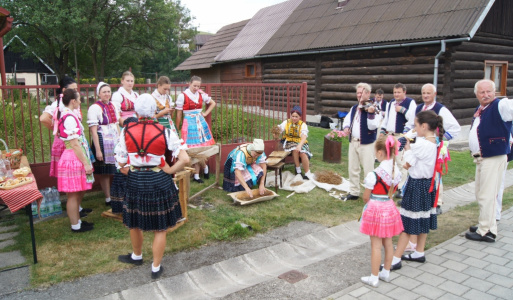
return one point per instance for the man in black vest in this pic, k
(489, 145)
(399, 118)
(361, 126)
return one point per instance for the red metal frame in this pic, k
(254, 106)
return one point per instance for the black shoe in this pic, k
(87, 210)
(107, 203)
(474, 236)
(156, 275)
(350, 197)
(438, 210)
(87, 224)
(472, 228)
(305, 177)
(127, 259)
(398, 195)
(408, 257)
(198, 180)
(82, 214)
(397, 266)
(206, 176)
(82, 229)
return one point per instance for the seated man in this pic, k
(244, 167)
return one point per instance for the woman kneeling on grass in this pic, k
(151, 199)
(74, 170)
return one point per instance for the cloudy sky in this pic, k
(211, 15)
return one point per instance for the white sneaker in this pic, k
(366, 280)
(383, 277)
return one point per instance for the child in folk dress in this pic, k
(381, 219)
(418, 207)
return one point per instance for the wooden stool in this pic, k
(277, 168)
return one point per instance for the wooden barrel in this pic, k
(332, 152)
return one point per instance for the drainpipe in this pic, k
(435, 74)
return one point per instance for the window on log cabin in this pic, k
(498, 72)
(250, 70)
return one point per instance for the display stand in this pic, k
(199, 153)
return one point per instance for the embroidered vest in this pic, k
(492, 132)
(366, 136)
(436, 108)
(188, 104)
(249, 158)
(291, 133)
(145, 138)
(127, 104)
(400, 119)
(61, 125)
(381, 188)
(109, 113)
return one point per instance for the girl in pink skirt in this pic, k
(381, 219)
(49, 120)
(74, 171)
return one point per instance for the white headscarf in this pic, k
(145, 106)
(100, 85)
(257, 145)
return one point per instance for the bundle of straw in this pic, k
(329, 177)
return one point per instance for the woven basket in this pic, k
(13, 155)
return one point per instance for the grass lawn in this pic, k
(65, 256)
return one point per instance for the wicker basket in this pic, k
(13, 155)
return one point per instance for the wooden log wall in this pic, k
(332, 78)
(468, 63)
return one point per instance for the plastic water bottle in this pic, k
(34, 208)
(2, 168)
(8, 171)
(49, 203)
(57, 208)
(44, 204)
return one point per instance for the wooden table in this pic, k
(23, 196)
(275, 162)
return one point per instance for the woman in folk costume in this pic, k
(165, 105)
(294, 140)
(50, 120)
(118, 187)
(102, 118)
(125, 97)
(75, 172)
(381, 219)
(245, 166)
(195, 130)
(151, 198)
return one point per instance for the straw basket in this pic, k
(13, 155)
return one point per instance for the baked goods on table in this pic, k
(16, 182)
(21, 172)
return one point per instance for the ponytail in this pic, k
(440, 127)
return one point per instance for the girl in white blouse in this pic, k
(125, 97)
(418, 207)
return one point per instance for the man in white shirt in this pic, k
(489, 145)
(399, 118)
(360, 125)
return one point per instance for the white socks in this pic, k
(384, 273)
(107, 200)
(196, 176)
(416, 254)
(76, 226)
(137, 257)
(396, 260)
(80, 208)
(155, 269)
(298, 170)
(204, 171)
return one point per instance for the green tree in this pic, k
(101, 38)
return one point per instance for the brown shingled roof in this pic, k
(204, 57)
(317, 24)
(258, 31)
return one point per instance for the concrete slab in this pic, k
(8, 228)
(181, 287)
(7, 235)
(14, 280)
(147, 291)
(241, 272)
(11, 259)
(212, 280)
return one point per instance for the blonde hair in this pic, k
(195, 78)
(163, 80)
(127, 73)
